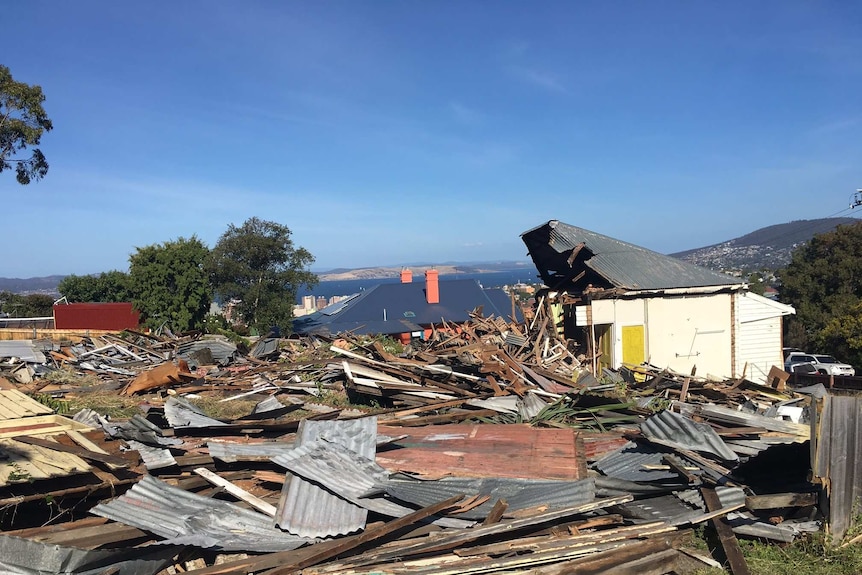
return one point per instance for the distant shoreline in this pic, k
(385, 272)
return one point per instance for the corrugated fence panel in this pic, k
(837, 452)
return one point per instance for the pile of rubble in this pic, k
(489, 448)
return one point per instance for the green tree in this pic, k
(22, 122)
(169, 284)
(31, 305)
(112, 286)
(258, 264)
(824, 283)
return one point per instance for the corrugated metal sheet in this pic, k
(264, 348)
(348, 475)
(25, 350)
(744, 419)
(137, 428)
(154, 457)
(222, 350)
(27, 557)
(181, 413)
(662, 508)
(630, 463)
(675, 430)
(622, 264)
(188, 519)
(231, 452)
(836, 453)
(518, 493)
(308, 509)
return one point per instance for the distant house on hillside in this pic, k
(408, 309)
(626, 304)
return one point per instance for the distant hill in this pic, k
(768, 248)
(45, 285)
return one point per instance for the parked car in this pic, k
(828, 365)
(795, 358)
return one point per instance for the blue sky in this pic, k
(384, 132)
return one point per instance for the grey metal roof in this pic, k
(622, 264)
(629, 463)
(308, 509)
(29, 557)
(518, 493)
(669, 428)
(25, 350)
(186, 518)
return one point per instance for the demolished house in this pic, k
(488, 445)
(626, 305)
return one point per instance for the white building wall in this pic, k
(680, 332)
(759, 337)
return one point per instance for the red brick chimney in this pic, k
(432, 287)
(406, 276)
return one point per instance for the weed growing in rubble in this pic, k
(812, 554)
(60, 406)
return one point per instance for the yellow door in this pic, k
(633, 344)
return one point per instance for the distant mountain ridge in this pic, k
(768, 248)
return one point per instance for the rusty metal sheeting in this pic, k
(669, 428)
(310, 510)
(633, 463)
(28, 557)
(486, 450)
(518, 493)
(837, 456)
(189, 519)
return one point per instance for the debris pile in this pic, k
(491, 447)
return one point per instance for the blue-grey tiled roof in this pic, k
(402, 307)
(621, 264)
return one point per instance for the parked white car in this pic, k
(828, 365)
(794, 358)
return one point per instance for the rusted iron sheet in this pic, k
(486, 450)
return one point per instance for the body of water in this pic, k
(488, 280)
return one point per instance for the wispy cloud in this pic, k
(837, 126)
(539, 78)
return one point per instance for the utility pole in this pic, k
(856, 201)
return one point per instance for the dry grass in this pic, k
(214, 407)
(69, 376)
(109, 403)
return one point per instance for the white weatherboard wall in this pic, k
(681, 331)
(758, 335)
